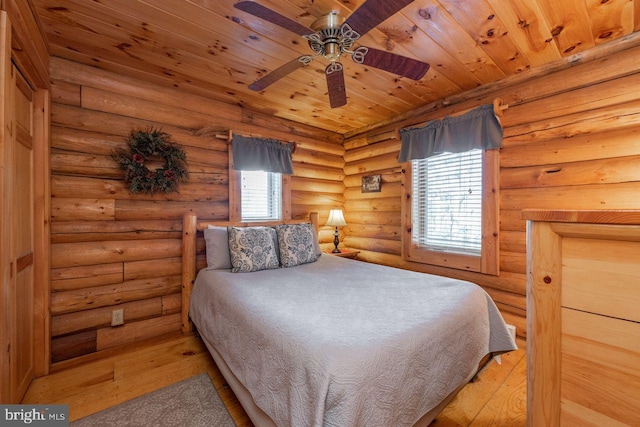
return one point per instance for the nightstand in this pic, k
(346, 253)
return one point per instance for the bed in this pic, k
(334, 341)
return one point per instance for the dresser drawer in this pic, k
(602, 277)
(600, 370)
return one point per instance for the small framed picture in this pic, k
(371, 183)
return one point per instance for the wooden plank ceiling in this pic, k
(211, 48)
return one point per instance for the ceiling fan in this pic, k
(333, 37)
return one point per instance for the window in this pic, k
(451, 211)
(260, 196)
(254, 194)
(447, 202)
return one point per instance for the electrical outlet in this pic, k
(117, 317)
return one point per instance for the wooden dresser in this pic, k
(583, 318)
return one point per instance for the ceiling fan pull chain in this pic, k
(359, 54)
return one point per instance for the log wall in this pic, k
(111, 249)
(571, 141)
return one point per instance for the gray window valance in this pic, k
(262, 154)
(478, 128)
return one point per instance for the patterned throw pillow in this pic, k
(251, 249)
(296, 244)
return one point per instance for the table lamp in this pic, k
(336, 219)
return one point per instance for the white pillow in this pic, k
(217, 246)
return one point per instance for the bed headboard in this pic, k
(190, 229)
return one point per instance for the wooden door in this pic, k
(17, 238)
(22, 226)
(24, 202)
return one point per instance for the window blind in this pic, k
(261, 195)
(447, 202)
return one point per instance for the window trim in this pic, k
(235, 196)
(488, 262)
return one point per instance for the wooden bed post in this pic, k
(189, 223)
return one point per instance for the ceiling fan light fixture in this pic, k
(332, 37)
(332, 51)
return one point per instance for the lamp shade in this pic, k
(336, 219)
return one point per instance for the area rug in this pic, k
(189, 403)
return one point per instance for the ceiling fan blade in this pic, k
(277, 74)
(373, 12)
(274, 17)
(335, 85)
(387, 61)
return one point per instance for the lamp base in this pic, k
(336, 241)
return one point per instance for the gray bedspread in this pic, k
(346, 343)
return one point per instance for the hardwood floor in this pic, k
(497, 397)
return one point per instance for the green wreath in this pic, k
(150, 145)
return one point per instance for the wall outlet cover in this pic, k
(117, 317)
